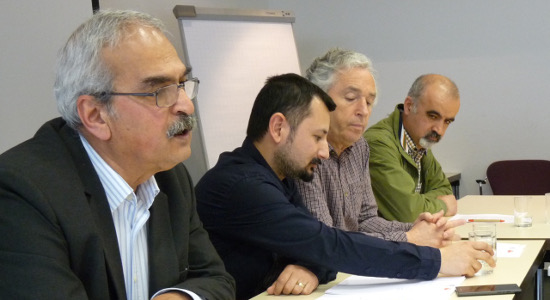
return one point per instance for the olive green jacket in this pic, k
(394, 174)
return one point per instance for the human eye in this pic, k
(433, 116)
(350, 98)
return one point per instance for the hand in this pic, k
(450, 201)
(449, 234)
(424, 233)
(289, 281)
(461, 258)
(173, 296)
(433, 230)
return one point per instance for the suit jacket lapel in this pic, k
(100, 210)
(162, 252)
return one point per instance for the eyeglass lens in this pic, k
(168, 95)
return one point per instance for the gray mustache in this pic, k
(185, 122)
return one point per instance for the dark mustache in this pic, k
(316, 161)
(433, 134)
(185, 122)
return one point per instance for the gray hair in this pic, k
(323, 69)
(81, 69)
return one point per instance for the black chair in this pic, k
(519, 177)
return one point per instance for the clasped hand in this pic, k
(433, 230)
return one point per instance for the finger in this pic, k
(448, 234)
(483, 246)
(438, 215)
(488, 259)
(308, 289)
(474, 268)
(278, 286)
(289, 287)
(455, 223)
(298, 288)
(422, 217)
(442, 222)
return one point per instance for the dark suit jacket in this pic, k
(57, 237)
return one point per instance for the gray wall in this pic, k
(497, 51)
(31, 33)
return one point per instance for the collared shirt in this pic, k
(130, 213)
(340, 195)
(416, 154)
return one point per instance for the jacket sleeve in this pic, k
(370, 222)
(257, 213)
(394, 184)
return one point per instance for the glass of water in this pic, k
(522, 215)
(485, 232)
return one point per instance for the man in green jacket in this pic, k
(406, 178)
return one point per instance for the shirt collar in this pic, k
(116, 188)
(408, 144)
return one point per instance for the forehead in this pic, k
(143, 52)
(355, 79)
(318, 117)
(436, 98)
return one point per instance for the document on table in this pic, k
(363, 288)
(509, 250)
(496, 218)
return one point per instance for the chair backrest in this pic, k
(519, 177)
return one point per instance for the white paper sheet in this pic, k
(509, 250)
(363, 287)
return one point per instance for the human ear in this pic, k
(278, 127)
(94, 117)
(408, 105)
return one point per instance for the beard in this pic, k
(184, 124)
(430, 139)
(290, 168)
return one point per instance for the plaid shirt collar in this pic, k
(410, 147)
(416, 154)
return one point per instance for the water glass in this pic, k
(486, 232)
(522, 216)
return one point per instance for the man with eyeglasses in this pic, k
(97, 205)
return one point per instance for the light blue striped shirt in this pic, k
(130, 214)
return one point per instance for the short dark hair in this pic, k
(289, 94)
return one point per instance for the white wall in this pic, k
(497, 51)
(31, 33)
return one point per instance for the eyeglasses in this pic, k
(168, 95)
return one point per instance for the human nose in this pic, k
(183, 103)
(323, 152)
(363, 109)
(440, 127)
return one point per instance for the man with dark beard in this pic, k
(256, 219)
(97, 205)
(406, 178)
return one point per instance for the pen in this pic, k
(486, 220)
